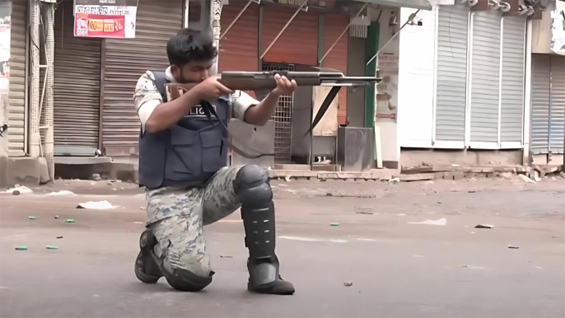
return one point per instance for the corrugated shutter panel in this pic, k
(337, 58)
(76, 89)
(125, 60)
(299, 42)
(557, 104)
(513, 76)
(451, 96)
(17, 100)
(540, 103)
(238, 49)
(485, 77)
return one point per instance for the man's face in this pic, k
(192, 72)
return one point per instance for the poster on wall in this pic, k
(558, 28)
(5, 32)
(114, 19)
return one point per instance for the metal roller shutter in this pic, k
(299, 42)
(337, 58)
(125, 60)
(540, 103)
(77, 88)
(485, 79)
(238, 49)
(557, 109)
(451, 83)
(18, 63)
(513, 76)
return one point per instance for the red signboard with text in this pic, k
(98, 19)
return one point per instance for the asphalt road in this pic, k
(395, 268)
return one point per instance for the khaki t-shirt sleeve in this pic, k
(241, 102)
(146, 97)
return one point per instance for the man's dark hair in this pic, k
(190, 45)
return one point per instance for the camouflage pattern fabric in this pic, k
(177, 216)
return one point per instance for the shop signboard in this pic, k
(105, 18)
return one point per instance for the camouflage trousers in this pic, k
(177, 216)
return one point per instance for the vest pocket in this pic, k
(182, 159)
(213, 156)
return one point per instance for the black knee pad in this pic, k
(184, 280)
(252, 186)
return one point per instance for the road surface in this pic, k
(378, 262)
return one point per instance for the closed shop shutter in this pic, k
(299, 42)
(125, 60)
(77, 88)
(485, 79)
(540, 103)
(17, 98)
(238, 49)
(557, 110)
(337, 58)
(451, 83)
(513, 76)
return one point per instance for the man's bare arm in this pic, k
(259, 114)
(167, 114)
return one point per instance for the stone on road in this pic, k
(382, 260)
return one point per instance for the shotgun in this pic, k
(263, 82)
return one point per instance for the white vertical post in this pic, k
(215, 15)
(527, 97)
(185, 20)
(35, 116)
(49, 102)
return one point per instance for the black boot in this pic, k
(258, 214)
(146, 269)
(261, 273)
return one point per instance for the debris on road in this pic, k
(70, 221)
(19, 190)
(394, 181)
(52, 247)
(334, 224)
(472, 267)
(59, 237)
(56, 217)
(61, 193)
(401, 214)
(32, 217)
(21, 248)
(513, 246)
(226, 256)
(525, 178)
(364, 212)
(484, 226)
(100, 205)
(432, 222)
(96, 177)
(348, 284)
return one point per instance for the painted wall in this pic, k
(387, 91)
(416, 81)
(541, 32)
(5, 22)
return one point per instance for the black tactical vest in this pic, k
(188, 153)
